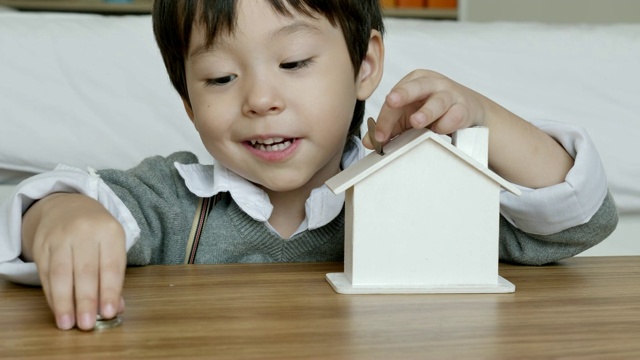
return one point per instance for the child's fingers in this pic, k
(66, 247)
(391, 121)
(121, 305)
(42, 261)
(432, 111)
(112, 269)
(85, 259)
(453, 119)
(403, 101)
(60, 285)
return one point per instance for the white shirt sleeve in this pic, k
(62, 179)
(559, 207)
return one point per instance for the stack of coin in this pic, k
(102, 324)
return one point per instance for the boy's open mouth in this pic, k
(271, 144)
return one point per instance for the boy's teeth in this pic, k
(267, 141)
(272, 145)
(272, 141)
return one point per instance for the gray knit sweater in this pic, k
(162, 205)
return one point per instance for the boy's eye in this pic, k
(294, 65)
(220, 81)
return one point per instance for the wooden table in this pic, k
(581, 307)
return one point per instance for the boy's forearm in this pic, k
(522, 153)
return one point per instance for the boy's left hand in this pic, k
(425, 98)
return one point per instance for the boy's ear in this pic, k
(372, 66)
(187, 108)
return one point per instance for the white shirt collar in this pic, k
(321, 207)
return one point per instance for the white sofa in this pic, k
(91, 90)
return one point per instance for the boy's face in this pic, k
(273, 101)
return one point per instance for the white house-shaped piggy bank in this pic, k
(422, 218)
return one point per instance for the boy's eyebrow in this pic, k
(297, 26)
(289, 29)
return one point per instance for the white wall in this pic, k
(625, 240)
(551, 11)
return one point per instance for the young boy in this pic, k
(276, 90)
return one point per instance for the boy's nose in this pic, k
(263, 99)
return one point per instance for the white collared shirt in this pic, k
(321, 207)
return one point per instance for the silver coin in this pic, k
(102, 324)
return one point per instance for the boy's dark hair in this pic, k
(173, 21)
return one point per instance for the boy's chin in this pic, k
(281, 188)
(283, 185)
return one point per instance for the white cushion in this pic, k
(85, 90)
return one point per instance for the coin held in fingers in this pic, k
(103, 324)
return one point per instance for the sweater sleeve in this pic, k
(155, 194)
(517, 246)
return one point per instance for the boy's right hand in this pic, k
(79, 250)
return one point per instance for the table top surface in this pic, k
(580, 307)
